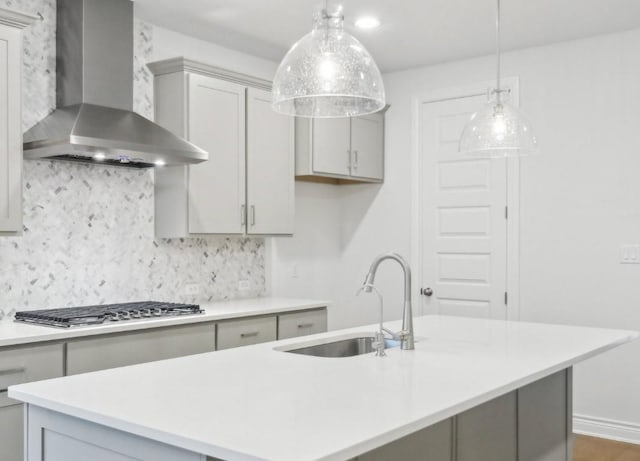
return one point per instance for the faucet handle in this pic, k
(379, 344)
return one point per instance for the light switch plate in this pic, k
(630, 254)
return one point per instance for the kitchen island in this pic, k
(471, 390)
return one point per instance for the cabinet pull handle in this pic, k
(355, 154)
(249, 335)
(349, 162)
(243, 215)
(12, 371)
(305, 325)
(253, 215)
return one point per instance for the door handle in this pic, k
(349, 162)
(426, 292)
(243, 215)
(253, 215)
(355, 157)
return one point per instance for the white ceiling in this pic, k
(413, 32)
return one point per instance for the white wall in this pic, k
(306, 265)
(580, 200)
(169, 44)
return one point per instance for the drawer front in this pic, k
(139, 347)
(302, 323)
(25, 364)
(245, 332)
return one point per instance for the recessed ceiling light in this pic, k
(99, 156)
(367, 22)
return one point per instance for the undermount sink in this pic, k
(335, 348)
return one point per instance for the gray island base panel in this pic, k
(532, 423)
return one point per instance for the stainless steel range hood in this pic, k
(94, 121)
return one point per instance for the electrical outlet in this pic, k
(243, 285)
(630, 254)
(192, 289)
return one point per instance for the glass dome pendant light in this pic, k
(328, 73)
(499, 129)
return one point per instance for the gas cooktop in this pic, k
(96, 315)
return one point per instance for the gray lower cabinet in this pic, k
(21, 365)
(57, 437)
(545, 419)
(11, 431)
(117, 350)
(302, 323)
(488, 431)
(430, 444)
(244, 332)
(530, 424)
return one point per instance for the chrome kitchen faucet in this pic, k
(405, 336)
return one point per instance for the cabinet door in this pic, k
(367, 146)
(236, 333)
(270, 167)
(544, 419)
(430, 444)
(302, 323)
(488, 431)
(331, 146)
(216, 123)
(11, 432)
(10, 130)
(85, 355)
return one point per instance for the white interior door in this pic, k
(463, 214)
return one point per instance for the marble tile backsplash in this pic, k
(88, 229)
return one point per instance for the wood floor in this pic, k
(595, 449)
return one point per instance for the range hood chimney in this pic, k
(94, 120)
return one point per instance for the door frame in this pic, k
(513, 189)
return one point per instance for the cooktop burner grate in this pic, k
(93, 315)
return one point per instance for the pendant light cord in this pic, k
(498, 88)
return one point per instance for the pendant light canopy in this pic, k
(328, 73)
(499, 129)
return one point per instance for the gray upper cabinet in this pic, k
(11, 25)
(270, 167)
(247, 185)
(341, 150)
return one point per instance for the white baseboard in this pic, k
(607, 428)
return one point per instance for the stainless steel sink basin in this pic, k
(348, 347)
(343, 348)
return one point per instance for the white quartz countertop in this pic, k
(257, 403)
(15, 333)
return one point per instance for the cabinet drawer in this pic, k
(25, 364)
(139, 347)
(302, 323)
(245, 332)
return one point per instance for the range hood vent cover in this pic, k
(94, 121)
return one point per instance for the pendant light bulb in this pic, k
(328, 73)
(498, 129)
